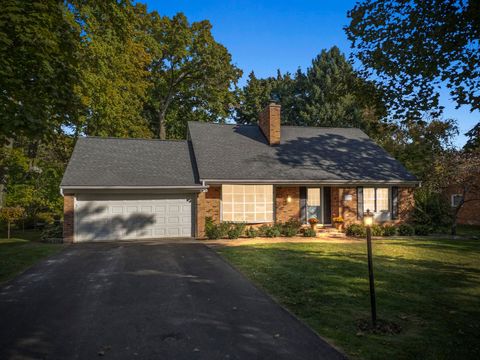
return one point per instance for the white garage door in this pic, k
(124, 217)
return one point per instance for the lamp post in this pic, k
(368, 221)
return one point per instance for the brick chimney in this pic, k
(269, 123)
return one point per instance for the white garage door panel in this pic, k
(124, 217)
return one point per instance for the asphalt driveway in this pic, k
(146, 300)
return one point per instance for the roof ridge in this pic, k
(138, 139)
(282, 126)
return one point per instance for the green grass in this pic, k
(431, 288)
(17, 254)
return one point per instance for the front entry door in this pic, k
(314, 204)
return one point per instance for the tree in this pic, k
(10, 215)
(473, 142)
(412, 47)
(37, 68)
(333, 95)
(253, 97)
(192, 75)
(113, 61)
(460, 171)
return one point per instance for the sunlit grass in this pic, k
(431, 288)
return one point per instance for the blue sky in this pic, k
(264, 36)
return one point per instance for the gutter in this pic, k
(318, 182)
(86, 187)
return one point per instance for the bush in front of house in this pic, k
(212, 230)
(356, 230)
(291, 227)
(406, 230)
(309, 232)
(377, 230)
(251, 232)
(389, 230)
(273, 231)
(236, 230)
(432, 210)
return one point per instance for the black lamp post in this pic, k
(368, 221)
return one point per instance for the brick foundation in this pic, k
(68, 218)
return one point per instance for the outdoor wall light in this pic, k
(289, 199)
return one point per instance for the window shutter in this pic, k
(394, 202)
(359, 203)
(303, 204)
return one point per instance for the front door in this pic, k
(314, 204)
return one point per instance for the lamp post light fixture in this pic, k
(368, 222)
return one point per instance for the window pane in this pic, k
(251, 203)
(369, 199)
(313, 197)
(382, 199)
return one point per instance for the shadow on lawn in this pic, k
(436, 302)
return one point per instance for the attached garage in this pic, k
(129, 189)
(131, 217)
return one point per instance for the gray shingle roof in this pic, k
(240, 152)
(130, 162)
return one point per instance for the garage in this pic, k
(130, 216)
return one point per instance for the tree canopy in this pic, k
(412, 48)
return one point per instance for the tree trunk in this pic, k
(162, 133)
(454, 227)
(8, 230)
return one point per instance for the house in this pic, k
(138, 189)
(469, 213)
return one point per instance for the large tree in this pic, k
(37, 68)
(192, 75)
(413, 47)
(113, 61)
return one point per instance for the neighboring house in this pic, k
(138, 189)
(469, 214)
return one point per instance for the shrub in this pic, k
(406, 230)
(224, 228)
(389, 230)
(309, 232)
(46, 218)
(214, 231)
(356, 230)
(273, 231)
(377, 230)
(52, 231)
(422, 230)
(236, 230)
(262, 230)
(291, 227)
(431, 209)
(251, 232)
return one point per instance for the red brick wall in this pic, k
(405, 204)
(285, 210)
(470, 212)
(269, 122)
(208, 205)
(68, 218)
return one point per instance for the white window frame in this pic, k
(452, 199)
(268, 204)
(375, 199)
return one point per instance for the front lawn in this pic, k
(16, 254)
(431, 288)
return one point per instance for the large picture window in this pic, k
(375, 199)
(247, 203)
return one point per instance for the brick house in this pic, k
(139, 189)
(470, 212)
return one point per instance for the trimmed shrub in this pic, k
(273, 231)
(251, 232)
(422, 230)
(356, 230)
(291, 227)
(309, 232)
(389, 230)
(262, 230)
(236, 230)
(377, 230)
(406, 230)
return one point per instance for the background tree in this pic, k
(10, 215)
(112, 67)
(412, 47)
(473, 142)
(192, 75)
